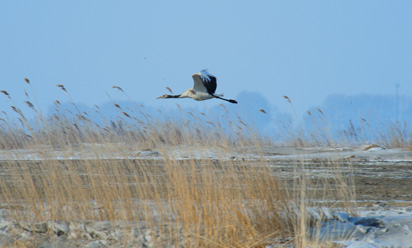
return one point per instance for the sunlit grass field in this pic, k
(204, 201)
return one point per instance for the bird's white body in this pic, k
(204, 87)
(196, 95)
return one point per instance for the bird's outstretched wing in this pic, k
(204, 82)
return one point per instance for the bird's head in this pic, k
(163, 97)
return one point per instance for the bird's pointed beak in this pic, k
(161, 97)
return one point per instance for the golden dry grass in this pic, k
(210, 202)
(215, 202)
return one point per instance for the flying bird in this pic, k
(204, 88)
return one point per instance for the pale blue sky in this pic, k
(304, 49)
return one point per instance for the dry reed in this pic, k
(203, 201)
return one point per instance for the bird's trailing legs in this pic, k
(221, 98)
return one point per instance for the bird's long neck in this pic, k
(172, 96)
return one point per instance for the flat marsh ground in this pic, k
(211, 202)
(247, 197)
(197, 181)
